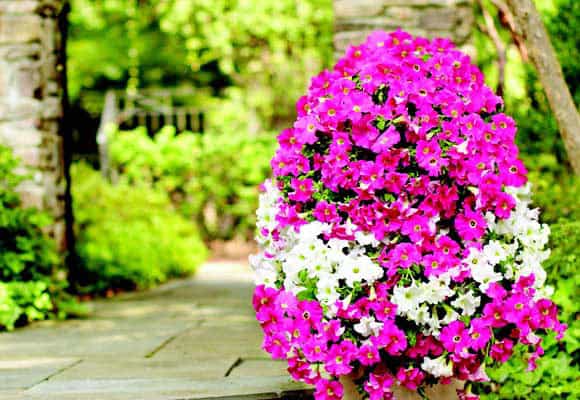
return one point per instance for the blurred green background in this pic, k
(208, 84)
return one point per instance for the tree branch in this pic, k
(506, 19)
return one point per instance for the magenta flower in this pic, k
(300, 369)
(368, 355)
(454, 337)
(502, 350)
(404, 255)
(315, 349)
(384, 310)
(391, 339)
(328, 390)
(496, 291)
(494, 314)
(479, 334)
(470, 225)
(277, 345)
(303, 189)
(339, 358)
(416, 227)
(410, 378)
(516, 309)
(379, 386)
(326, 212)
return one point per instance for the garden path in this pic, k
(188, 339)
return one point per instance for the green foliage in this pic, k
(28, 260)
(212, 179)
(564, 30)
(269, 49)
(129, 236)
(556, 191)
(102, 51)
(524, 96)
(24, 301)
(558, 371)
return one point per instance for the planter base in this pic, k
(436, 392)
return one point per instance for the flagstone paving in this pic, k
(189, 339)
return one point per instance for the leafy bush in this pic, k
(558, 371)
(28, 259)
(24, 302)
(211, 178)
(562, 24)
(129, 236)
(557, 191)
(267, 48)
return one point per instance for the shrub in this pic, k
(557, 190)
(211, 178)
(29, 262)
(129, 237)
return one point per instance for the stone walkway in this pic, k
(189, 339)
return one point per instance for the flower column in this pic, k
(355, 19)
(32, 100)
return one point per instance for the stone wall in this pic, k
(354, 19)
(31, 101)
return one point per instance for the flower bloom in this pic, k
(396, 234)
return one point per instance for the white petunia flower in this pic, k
(437, 289)
(310, 232)
(467, 302)
(438, 367)
(326, 289)
(494, 252)
(356, 268)
(365, 239)
(368, 326)
(484, 275)
(421, 315)
(450, 316)
(266, 277)
(476, 259)
(407, 298)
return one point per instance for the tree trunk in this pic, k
(542, 54)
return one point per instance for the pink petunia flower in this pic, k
(379, 386)
(339, 357)
(328, 390)
(470, 225)
(326, 212)
(502, 350)
(454, 337)
(303, 189)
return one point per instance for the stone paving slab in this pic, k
(188, 339)
(24, 373)
(212, 368)
(161, 388)
(258, 367)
